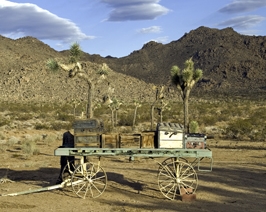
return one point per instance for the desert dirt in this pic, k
(236, 182)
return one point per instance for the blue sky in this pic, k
(118, 27)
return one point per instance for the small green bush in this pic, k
(193, 127)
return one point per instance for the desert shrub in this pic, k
(21, 116)
(222, 117)
(3, 143)
(4, 121)
(239, 128)
(49, 139)
(201, 108)
(42, 115)
(42, 126)
(3, 147)
(65, 117)
(29, 147)
(12, 141)
(143, 113)
(126, 120)
(208, 120)
(258, 117)
(2, 136)
(193, 127)
(59, 125)
(108, 128)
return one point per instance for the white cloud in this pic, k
(163, 39)
(131, 10)
(238, 6)
(152, 29)
(25, 19)
(242, 22)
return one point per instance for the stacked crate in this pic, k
(87, 133)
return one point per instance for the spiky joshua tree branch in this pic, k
(184, 80)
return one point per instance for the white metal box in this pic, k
(170, 135)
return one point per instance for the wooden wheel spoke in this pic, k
(90, 181)
(169, 171)
(167, 185)
(175, 176)
(185, 171)
(187, 176)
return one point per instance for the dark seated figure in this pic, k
(68, 142)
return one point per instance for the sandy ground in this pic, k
(236, 183)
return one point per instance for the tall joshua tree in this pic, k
(137, 105)
(74, 69)
(159, 95)
(184, 80)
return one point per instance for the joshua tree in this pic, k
(161, 108)
(75, 104)
(137, 105)
(185, 80)
(74, 69)
(159, 95)
(114, 107)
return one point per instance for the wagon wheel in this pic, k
(176, 178)
(89, 179)
(170, 160)
(69, 169)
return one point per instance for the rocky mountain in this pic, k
(232, 64)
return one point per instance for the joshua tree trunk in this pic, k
(116, 116)
(152, 116)
(186, 118)
(90, 97)
(112, 118)
(134, 118)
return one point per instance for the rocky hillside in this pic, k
(232, 64)
(25, 77)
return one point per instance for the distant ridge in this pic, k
(232, 64)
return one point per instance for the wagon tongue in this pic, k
(62, 185)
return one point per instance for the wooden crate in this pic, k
(87, 140)
(87, 133)
(110, 140)
(129, 140)
(147, 140)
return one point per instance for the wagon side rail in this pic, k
(197, 154)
